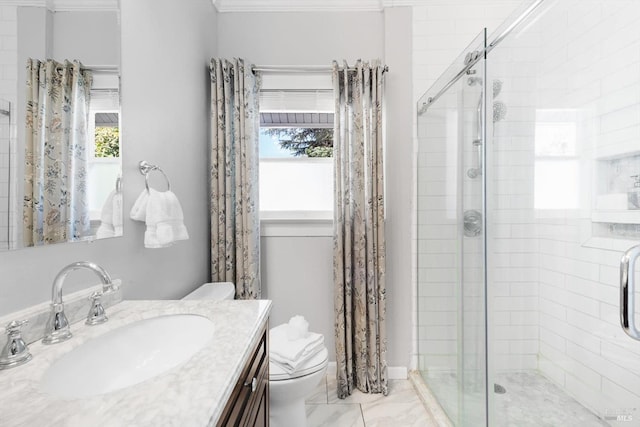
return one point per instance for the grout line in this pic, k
(326, 389)
(362, 415)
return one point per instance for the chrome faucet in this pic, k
(15, 351)
(57, 329)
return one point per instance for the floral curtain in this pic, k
(235, 226)
(359, 243)
(55, 207)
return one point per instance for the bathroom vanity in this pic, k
(249, 401)
(224, 383)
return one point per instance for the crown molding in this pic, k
(297, 5)
(329, 5)
(66, 5)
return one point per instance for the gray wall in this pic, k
(297, 271)
(399, 177)
(166, 46)
(91, 37)
(303, 38)
(297, 275)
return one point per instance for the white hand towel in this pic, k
(117, 214)
(107, 227)
(139, 208)
(285, 351)
(164, 219)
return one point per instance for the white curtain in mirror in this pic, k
(56, 154)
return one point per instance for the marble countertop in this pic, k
(192, 394)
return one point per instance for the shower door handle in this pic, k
(627, 292)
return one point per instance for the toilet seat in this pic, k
(316, 363)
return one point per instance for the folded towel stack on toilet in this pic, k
(291, 344)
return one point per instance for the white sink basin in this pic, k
(128, 355)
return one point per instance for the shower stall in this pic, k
(527, 200)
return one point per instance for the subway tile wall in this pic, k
(582, 346)
(553, 291)
(441, 31)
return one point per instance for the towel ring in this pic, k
(146, 168)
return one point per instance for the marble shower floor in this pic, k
(401, 408)
(530, 400)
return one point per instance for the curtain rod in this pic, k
(312, 91)
(102, 68)
(106, 69)
(301, 68)
(105, 90)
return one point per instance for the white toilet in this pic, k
(287, 392)
(215, 291)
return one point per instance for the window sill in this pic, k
(296, 224)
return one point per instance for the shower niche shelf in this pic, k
(617, 216)
(613, 180)
(617, 151)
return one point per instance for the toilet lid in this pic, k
(316, 363)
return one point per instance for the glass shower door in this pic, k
(563, 154)
(450, 220)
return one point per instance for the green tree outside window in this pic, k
(310, 142)
(107, 141)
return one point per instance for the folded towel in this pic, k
(111, 216)
(291, 354)
(162, 213)
(297, 328)
(291, 366)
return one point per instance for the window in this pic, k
(296, 149)
(296, 172)
(104, 153)
(557, 167)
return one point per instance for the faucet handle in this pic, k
(15, 351)
(113, 286)
(15, 326)
(96, 314)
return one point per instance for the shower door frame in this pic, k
(469, 299)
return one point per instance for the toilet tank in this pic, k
(213, 291)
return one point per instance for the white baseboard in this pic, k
(397, 372)
(393, 372)
(332, 368)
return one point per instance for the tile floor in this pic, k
(401, 408)
(530, 400)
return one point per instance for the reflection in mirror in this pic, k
(55, 206)
(60, 148)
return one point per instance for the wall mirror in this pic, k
(60, 146)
